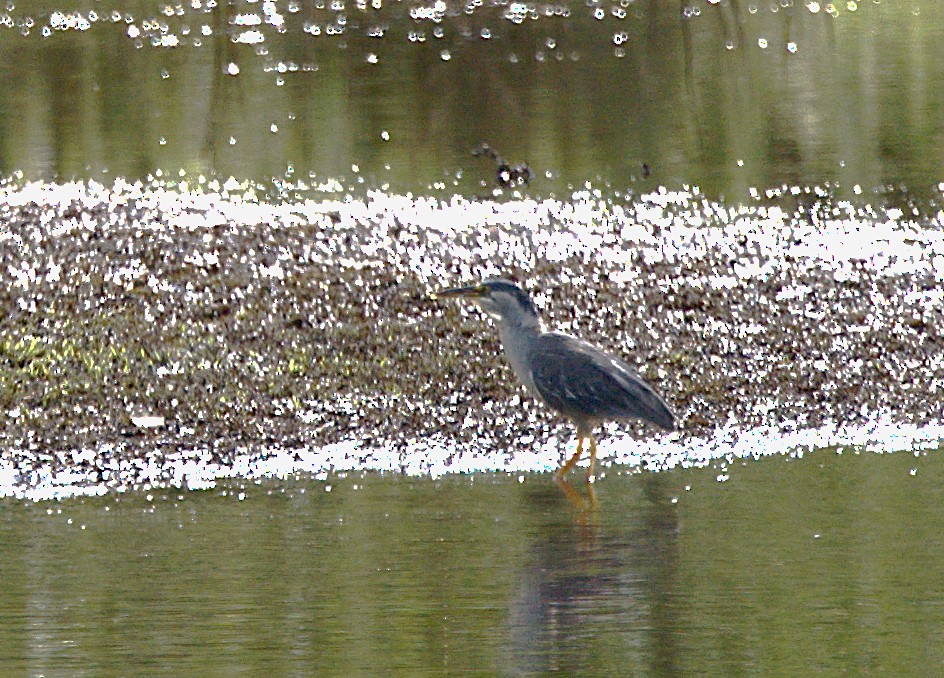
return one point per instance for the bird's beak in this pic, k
(471, 291)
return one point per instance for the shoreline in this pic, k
(243, 325)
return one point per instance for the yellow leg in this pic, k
(563, 470)
(593, 457)
(579, 503)
(591, 496)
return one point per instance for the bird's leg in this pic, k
(593, 457)
(591, 496)
(580, 503)
(563, 470)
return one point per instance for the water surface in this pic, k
(725, 95)
(820, 565)
(743, 198)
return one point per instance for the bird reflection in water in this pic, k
(584, 505)
(597, 594)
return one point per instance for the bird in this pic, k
(506, 174)
(584, 383)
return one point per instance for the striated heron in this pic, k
(571, 376)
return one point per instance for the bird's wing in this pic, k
(585, 383)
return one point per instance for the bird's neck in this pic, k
(516, 338)
(524, 325)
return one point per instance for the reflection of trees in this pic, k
(691, 94)
(227, 92)
(659, 543)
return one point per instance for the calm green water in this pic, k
(823, 565)
(725, 95)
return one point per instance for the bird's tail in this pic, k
(661, 415)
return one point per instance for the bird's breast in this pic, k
(517, 345)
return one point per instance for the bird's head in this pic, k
(501, 299)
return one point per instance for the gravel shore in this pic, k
(142, 320)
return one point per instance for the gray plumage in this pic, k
(570, 375)
(591, 387)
